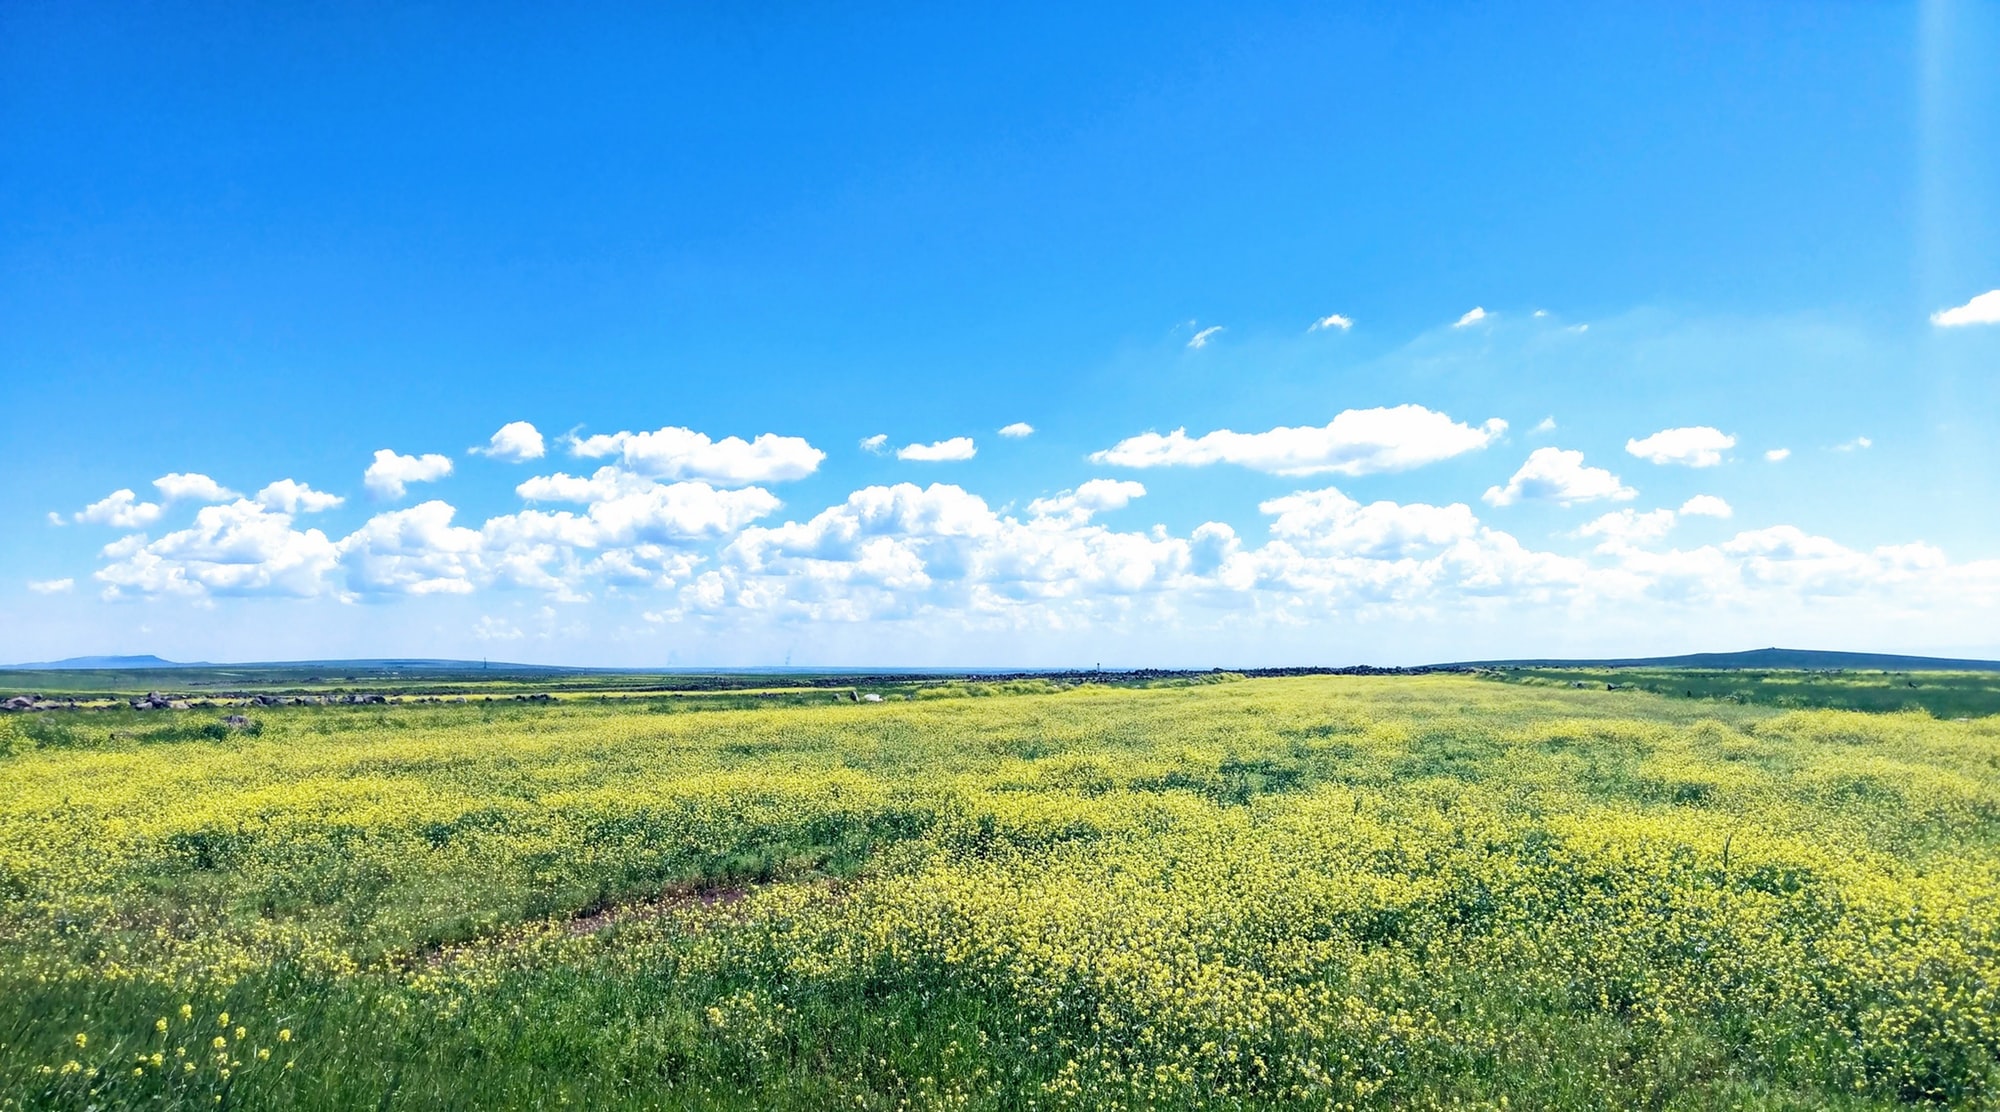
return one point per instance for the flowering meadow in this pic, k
(1318, 892)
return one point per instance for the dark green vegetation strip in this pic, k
(1944, 694)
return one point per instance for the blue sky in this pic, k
(260, 248)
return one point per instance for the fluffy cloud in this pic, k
(1547, 424)
(902, 510)
(1695, 446)
(1624, 528)
(904, 552)
(608, 482)
(417, 551)
(1983, 309)
(1200, 339)
(678, 453)
(633, 531)
(238, 548)
(121, 509)
(1330, 556)
(1332, 320)
(189, 487)
(290, 496)
(387, 476)
(1356, 442)
(1858, 444)
(1329, 521)
(694, 551)
(944, 451)
(51, 586)
(515, 442)
(1788, 557)
(1778, 455)
(624, 511)
(876, 444)
(1559, 475)
(1018, 429)
(891, 553)
(900, 550)
(1095, 496)
(1472, 316)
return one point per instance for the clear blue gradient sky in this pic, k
(265, 246)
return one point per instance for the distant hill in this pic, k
(155, 664)
(82, 663)
(419, 664)
(1761, 658)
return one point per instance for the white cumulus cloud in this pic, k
(942, 558)
(623, 512)
(1559, 475)
(121, 509)
(1778, 455)
(1859, 443)
(238, 548)
(1624, 528)
(944, 451)
(679, 453)
(1329, 521)
(1706, 505)
(1472, 316)
(291, 496)
(387, 476)
(515, 442)
(1018, 429)
(608, 482)
(189, 487)
(1983, 309)
(1331, 320)
(1095, 496)
(1694, 446)
(1356, 442)
(417, 551)
(876, 444)
(895, 552)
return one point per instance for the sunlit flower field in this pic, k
(1322, 892)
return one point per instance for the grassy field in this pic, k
(1317, 892)
(1944, 694)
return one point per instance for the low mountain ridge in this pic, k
(1773, 658)
(91, 663)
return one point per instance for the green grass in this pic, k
(1944, 694)
(1395, 892)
